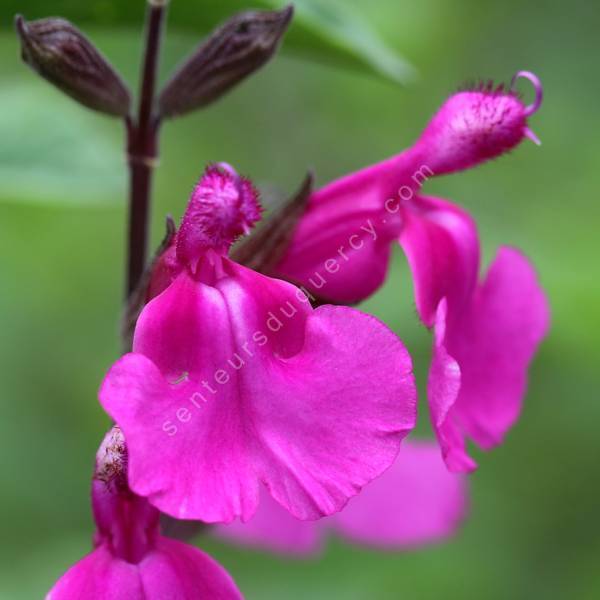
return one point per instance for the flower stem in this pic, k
(142, 147)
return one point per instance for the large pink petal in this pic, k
(495, 344)
(416, 501)
(352, 401)
(315, 412)
(189, 462)
(340, 250)
(441, 245)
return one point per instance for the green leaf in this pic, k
(325, 30)
(53, 152)
(330, 30)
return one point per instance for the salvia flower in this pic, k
(235, 380)
(415, 502)
(131, 559)
(486, 334)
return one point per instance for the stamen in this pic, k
(539, 93)
(534, 138)
(227, 168)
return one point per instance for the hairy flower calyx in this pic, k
(222, 207)
(478, 124)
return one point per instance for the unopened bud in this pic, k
(111, 460)
(125, 522)
(62, 55)
(235, 50)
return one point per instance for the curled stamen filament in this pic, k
(537, 86)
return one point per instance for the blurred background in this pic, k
(533, 529)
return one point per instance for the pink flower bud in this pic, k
(475, 125)
(125, 522)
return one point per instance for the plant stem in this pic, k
(142, 147)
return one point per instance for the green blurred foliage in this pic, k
(41, 160)
(533, 529)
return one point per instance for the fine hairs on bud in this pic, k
(222, 207)
(111, 460)
(477, 124)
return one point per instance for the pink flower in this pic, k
(235, 380)
(132, 561)
(415, 502)
(486, 334)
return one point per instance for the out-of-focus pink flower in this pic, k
(235, 380)
(415, 502)
(340, 253)
(132, 561)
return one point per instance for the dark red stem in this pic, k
(142, 147)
